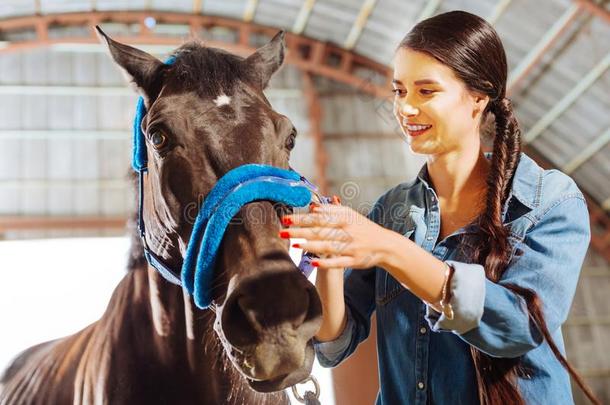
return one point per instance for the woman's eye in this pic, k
(158, 140)
(426, 92)
(399, 92)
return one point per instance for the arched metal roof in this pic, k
(558, 53)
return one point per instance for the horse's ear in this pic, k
(139, 67)
(267, 59)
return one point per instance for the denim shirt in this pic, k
(424, 357)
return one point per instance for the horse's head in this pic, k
(207, 114)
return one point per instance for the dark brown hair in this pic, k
(472, 48)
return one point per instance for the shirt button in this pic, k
(420, 385)
(429, 238)
(422, 330)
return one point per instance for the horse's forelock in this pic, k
(209, 72)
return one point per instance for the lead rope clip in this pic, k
(310, 398)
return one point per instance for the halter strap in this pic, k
(238, 187)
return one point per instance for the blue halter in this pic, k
(240, 186)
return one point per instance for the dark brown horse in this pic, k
(207, 114)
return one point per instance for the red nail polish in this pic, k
(315, 263)
(284, 234)
(286, 221)
(296, 245)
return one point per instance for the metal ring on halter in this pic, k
(315, 384)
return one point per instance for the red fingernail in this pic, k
(337, 199)
(286, 221)
(315, 264)
(296, 245)
(284, 234)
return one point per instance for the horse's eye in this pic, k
(158, 140)
(291, 139)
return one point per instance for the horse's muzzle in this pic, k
(268, 320)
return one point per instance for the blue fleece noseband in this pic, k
(238, 187)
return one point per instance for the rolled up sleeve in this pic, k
(467, 300)
(331, 353)
(495, 319)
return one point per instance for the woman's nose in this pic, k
(403, 107)
(407, 109)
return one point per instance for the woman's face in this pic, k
(435, 110)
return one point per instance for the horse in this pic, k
(206, 114)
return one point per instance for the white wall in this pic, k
(53, 288)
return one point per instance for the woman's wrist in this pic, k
(390, 244)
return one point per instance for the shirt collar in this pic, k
(526, 182)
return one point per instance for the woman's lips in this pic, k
(417, 129)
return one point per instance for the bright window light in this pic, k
(54, 288)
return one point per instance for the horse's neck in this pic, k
(150, 346)
(183, 346)
(171, 344)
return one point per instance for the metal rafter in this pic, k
(429, 9)
(550, 38)
(587, 153)
(197, 6)
(568, 99)
(356, 30)
(250, 10)
(12, 223)
(305, 53)
(546, 42)
(303, 16)
(498, 10)
(315, 125)
(595, 9)
(59, 90)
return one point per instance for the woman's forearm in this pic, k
(416, 269)
(329, 283)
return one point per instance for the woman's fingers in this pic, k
(316, 233)
(326, 215)
(344, 261)
(334, 262)
(335, 247)
(309, 220)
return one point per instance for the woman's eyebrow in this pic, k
(425, 81)
(417, 82)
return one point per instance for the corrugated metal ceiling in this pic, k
(562, 103)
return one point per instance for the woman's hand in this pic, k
(339, 235)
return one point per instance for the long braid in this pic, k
(497, 377)
(505, 158)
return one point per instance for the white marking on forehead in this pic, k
(221, 100)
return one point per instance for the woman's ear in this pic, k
(480, 102)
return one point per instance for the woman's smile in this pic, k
(416, 129)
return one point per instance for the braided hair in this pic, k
(473, 50)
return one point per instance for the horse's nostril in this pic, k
(259, 305)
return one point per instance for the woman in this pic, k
(471, 267)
